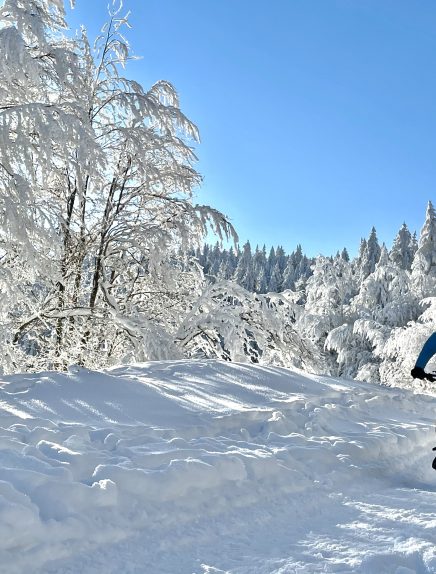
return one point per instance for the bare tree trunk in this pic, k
(66, 257)
(112, 208)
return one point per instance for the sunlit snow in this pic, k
(212, 467)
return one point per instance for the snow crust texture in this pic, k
(210, 468)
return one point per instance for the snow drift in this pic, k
(207, 467)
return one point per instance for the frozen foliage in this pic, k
(355, 313)
(230, 323)
(369, 255)
(424, 263)
(386, 295)
(201, 467)
(96, 198)
(403, 249)
(377, 335)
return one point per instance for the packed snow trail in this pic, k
(211, 467)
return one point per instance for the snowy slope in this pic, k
(210, 467)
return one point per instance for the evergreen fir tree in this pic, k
(414, 243)
(289, 275)
(222, 271)
(244, 271)
(259, 270)
(204, 258)
(281, 259)
(385, 296)
(424, 262)
(297, 255)
(370, 254)
(259, 258)
(215, 260)
(232, 263)
(344, 255)
(275, 282)
(362, 249)
(304, 268)
(261, 285)
(270, 264)
(403, 251)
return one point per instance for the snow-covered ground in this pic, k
(209, 467)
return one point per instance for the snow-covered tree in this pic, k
(328, 294)
(270, 263)
(344, 255)
(100, 257)
(96, 183)
(352, 346)
(244, 274)
(385, 296)
(259, 270)
(276, 280)
(280, 259)
(403, 249)
(231, 323)
(369, 254)
(289, 275)
(384, 301)
(404, 344)
(424, 262)
(216, 259)
(330, 289)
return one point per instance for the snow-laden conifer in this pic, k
(244, 273)
(424, 262)
(369, 254)
(385, 295)
(403, 249)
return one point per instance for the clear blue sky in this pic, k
(317, 117)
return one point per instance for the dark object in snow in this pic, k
(418, 373)
(427, 352)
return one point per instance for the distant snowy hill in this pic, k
(211, 467)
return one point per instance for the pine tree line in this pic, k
(256, 271)
(276, 272)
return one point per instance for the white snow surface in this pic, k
(208, 467)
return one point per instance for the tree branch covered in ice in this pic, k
(97, 182)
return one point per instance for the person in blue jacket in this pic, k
(427, 352)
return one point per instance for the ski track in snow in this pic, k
(208, 467)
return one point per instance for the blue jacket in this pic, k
(428, 350)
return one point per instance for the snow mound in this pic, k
(206, 467)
